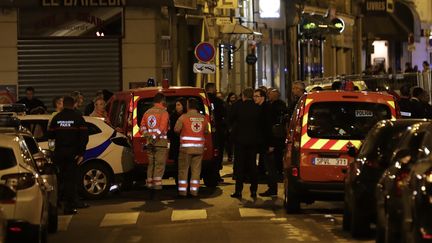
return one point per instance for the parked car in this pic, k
(107, 159)
(366, 170)
(127, 108)
(390, 186)
(417, 199)
(27, 213)
(324, 126)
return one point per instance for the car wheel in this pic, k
(346, 220)
(52, 219)
(292, 201)
(95, 180)
(360, 225)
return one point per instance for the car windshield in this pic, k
(344, 120)
(7, 158)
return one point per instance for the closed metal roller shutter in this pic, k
(56, 67)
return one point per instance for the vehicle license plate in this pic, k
(330, 161)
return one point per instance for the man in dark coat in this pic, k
(278, 118)
(245, 119)
(219, 113)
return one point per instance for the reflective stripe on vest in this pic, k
(191, 145)
(192, 132)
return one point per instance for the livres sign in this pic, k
(83, 3)
(378, 6)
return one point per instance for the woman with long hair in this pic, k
(179, 109)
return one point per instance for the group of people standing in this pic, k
(257, 129)
(189, 128)
(96, 108)
(247, 127)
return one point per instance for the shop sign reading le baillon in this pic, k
(83, 3)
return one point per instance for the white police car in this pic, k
(27, 207)
(107, 158)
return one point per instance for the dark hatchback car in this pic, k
(417, 198)
(389, 192)
(366, 170)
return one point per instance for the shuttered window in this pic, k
(56, 67)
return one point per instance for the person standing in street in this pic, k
(265, 147)
(99, 109)
(231, 99)
(154, 127)
(192, 127)
(89, 108)
(245, 118)
(404, 102)
(180, 109)
(33, 104)
(69, 131)
(278, 118)
(219, 113)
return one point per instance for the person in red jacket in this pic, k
(154, 127)
(192, 127)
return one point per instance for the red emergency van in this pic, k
(324, 126)
(126, 108)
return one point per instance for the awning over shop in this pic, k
(238, 29)
(396, 26)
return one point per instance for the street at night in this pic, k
(132, 217)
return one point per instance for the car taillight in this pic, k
(19, 181)
(425, 235)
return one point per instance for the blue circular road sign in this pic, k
(204, 52)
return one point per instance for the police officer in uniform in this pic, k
(154, 126)
(69, 130)
(192, 127)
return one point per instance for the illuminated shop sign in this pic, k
(83, 3)
(378, 6)
(269, 8)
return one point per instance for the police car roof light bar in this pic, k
(9, 120)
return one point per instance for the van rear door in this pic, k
(329, 128)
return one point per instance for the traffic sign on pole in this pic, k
(204, 52)
(251, 59)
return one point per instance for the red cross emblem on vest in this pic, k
(196, 126)
(151, 121)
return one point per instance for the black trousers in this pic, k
(272, 171)
(68, 174)
(245, 167)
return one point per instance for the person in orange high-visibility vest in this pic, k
(192, 127)
(154, 127)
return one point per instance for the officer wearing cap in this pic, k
(69, 131)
